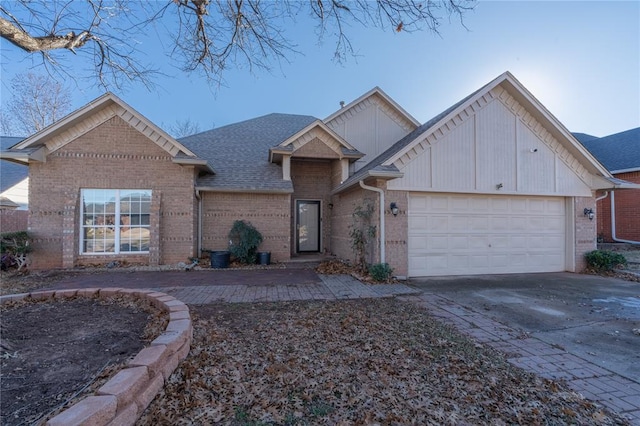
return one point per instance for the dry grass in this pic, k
(357, 362)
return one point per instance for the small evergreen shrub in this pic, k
(603, 260)
(380, 271)
(244, 240)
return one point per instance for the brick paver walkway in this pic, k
(593, 382)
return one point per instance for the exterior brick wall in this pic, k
(397, 229)
(269, 213)
(13, 220)
(627, 205)
(312, 181)
(112, 156)
(585, 231)
(344, 204)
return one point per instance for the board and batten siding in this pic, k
(371, 127)
(492, 146)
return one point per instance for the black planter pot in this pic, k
(264, 258)
(220, 259)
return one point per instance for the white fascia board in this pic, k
(383, 95)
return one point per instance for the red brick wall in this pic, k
(627, 205)
(13, 220)
(269, 213)
(113, 155)
(312, 181)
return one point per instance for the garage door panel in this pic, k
(452, 234)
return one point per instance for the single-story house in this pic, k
(494, 184)
(618, 211)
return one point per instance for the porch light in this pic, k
(394, 209)
(589, 212)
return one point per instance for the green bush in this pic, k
(380, 271)
(244, 240)
(603, 260)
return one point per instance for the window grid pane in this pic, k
(115, 221)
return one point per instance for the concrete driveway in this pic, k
(591, 317)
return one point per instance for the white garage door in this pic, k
(451, 234)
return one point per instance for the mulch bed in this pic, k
(53, 353)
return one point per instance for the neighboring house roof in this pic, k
(619, 152)
(582, 137)
(239, 153)
(11, 173)
(83, 120)
(383, 165)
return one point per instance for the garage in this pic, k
(462, 234)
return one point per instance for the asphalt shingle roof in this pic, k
(10, 173)
(620, 151)
(239, 152)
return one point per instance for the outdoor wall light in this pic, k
(589, 212)
(330, 206)
(394, 209)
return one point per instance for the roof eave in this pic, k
(244, 190)
(376, 174)
(631, 170)
(25, 156)
(198, 162)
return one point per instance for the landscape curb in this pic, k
(122, 400)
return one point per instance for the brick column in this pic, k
(69, 226)
(585, 236)
(154, 243)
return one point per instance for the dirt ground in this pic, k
(54, 353)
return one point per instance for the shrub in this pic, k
(15, 248)
(603, 260)
(380, 271)
(244, 240)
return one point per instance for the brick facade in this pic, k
(269, 213)
(312, 181)
(627, 207)
(585, 231)
(13, 220)
(111, 156)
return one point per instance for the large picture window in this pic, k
(115, 221)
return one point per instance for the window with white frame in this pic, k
(115, 221)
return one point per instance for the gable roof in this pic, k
(316, 130)
(376, 91)
(11, 173)
(238, 153)
(383, 165)
(619, 152)
(81, 121)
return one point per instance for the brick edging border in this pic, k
(126, 395)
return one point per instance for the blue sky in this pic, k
(581, 59)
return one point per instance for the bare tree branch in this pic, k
(208, 36)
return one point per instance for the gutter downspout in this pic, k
(613, 223)
(382, 233)
(199, 198)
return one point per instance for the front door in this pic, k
(307, 226)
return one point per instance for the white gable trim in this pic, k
(316, 128)
(94, 114)
(576, 157)
(392, 109)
